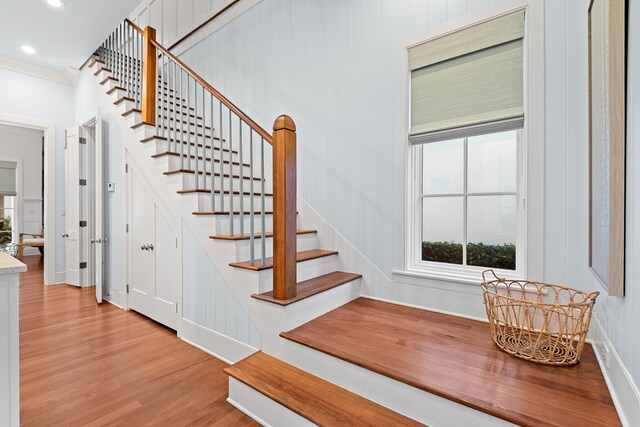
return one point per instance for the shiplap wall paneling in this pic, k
(207, 299)
(173, 19)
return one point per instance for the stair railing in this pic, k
(122, 54)
(206, 131)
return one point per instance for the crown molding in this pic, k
(67, 76)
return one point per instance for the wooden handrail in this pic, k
(134, 26)
(256, 127)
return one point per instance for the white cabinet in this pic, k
(154, 259)
(9, 340)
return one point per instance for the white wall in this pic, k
(35, 98)
(25, 144)
(331, 66)
(567, 192)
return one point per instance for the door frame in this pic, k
(50, 230)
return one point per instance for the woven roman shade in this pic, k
(8, 178)
(468, 82)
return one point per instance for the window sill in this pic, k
(455, 277)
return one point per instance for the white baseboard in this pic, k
(220, 346)
(112, 302)
(61, 278)
(624, 391)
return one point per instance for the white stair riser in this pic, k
(262, 280)
(202, 202)
(178, 162)
(243, 247)
(163, 145)
(127, 105)
(221, 224)
(244, 185)
(410, 401)
(262, 409)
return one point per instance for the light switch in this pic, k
(111, 187)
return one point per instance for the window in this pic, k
(468, 151)
(7, 200)
(469, 201)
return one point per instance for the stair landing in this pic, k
(456, 358)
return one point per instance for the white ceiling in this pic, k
(62, 37)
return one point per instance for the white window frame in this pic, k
(530, 241)
(433, 268)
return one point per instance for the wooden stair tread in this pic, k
(311, 287)
(207, 213)
(131, 111)
(208, 191)
(456, 358)
(193, 144)
(311, 397)
(300, 257)
(226, 175)
(257, 235)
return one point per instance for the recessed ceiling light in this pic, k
(55, 3)
(27, 49)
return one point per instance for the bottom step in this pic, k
(313, 398)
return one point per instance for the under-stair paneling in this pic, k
(208, 300)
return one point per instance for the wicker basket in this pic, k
(536, 321)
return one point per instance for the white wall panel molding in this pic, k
(175, 19)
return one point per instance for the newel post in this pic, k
(149, 77)
(284, 208)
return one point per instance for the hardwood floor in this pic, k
(87, 364)
(456, 358)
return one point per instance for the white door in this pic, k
(98, 191)
(141, 230)
(72, 205)
(154, 261)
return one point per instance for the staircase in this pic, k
(219, 161)
(328, 357)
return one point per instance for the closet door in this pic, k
(141, 234)
(155, 264)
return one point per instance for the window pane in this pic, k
(442, 229)
(492, 163)
(491, 231)
(443, 167)
(6, 219)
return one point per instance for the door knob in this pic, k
(65, 235)
(99, 240)
(93, 241)
(143, 247)
(150, 246)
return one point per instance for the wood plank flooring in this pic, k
(456, 358)
(87, 364)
